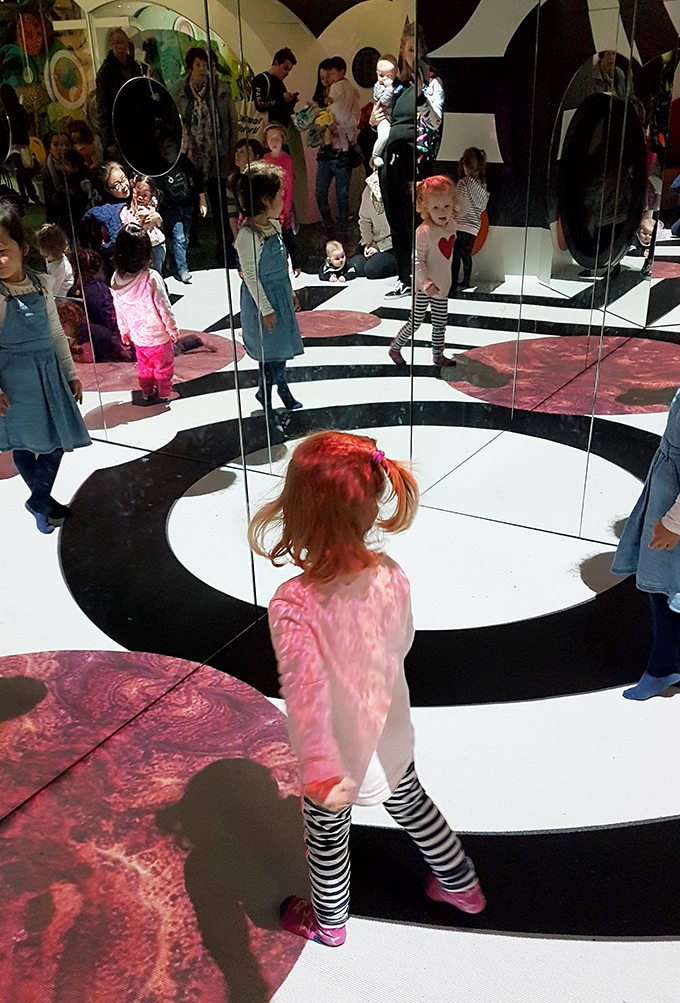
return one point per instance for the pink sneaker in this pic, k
(297, 916)
(470, 900)
(396, 357)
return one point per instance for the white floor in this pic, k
(499, 537)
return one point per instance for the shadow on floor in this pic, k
(246, 856)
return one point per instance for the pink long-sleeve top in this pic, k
(434, 247)
(340, 649)
(143, 310)
(285, 161)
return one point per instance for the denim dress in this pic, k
(655, 570)
(285, 341)
(43, 415)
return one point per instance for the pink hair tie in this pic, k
(378, 457)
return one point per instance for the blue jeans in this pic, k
(177, 220)
(663, 658)
(328, 167)
(158, 253)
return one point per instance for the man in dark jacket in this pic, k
(118, 67)
(270, 95)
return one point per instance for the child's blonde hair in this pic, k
(440, 184)
(335, 486)
(333, 245)
(389, 58)
(51, 239)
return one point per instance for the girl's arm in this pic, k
(476, 192)
(61, 346)
(306, 690)
(422, 246)
(431, 103)
(160, 298)
(249, 249)
(123, 326)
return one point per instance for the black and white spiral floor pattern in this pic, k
(566, 792)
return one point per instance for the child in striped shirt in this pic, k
(472, 190)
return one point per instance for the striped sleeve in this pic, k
(475, 198)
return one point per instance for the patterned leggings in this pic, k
(439, 312)
(327, 839)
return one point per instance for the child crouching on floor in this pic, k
(143, 312)
(335, 267)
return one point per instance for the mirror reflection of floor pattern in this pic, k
(555, 793)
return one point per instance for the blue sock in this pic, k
(651, 686)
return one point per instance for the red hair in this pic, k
(437, 185)
(335, 486)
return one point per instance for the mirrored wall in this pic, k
(541, 275)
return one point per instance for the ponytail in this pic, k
(405, 490)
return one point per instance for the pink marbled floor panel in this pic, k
(66, 703)
(557, 375)
(153, 869)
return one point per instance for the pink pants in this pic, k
(155, 365)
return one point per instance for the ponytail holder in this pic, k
(378, 457)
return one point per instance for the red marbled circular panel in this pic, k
(335, 323)
(557, 375)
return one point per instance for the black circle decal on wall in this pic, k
(363, 66)
(602, 179)
(147, 126)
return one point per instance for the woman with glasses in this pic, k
(100, 225)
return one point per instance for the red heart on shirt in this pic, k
(446, 246)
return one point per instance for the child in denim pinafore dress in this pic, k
(648, 549)
(39, 417)
(270, 329)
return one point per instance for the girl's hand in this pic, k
(662, 538)
(125, 338)
(173, 337)
(431, 289)
(296, 303)
(335, 798)
(270, 321)
(77, 390)
(4, 404)
(370, 250)
(334, 278)
(202, 206)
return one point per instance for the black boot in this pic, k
(264, 390)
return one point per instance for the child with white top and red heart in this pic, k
(437, 203)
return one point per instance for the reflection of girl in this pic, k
(271, 334)
(437, 201)
(144, 212)
(472, 190)
(107, 345)
(248, 151)
(341, 631)
(649, 549)
(39, 419)
(422, 93)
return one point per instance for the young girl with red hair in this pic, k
(341, 631)
(437, 202)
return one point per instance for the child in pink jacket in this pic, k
(341, 631)
(143, 312)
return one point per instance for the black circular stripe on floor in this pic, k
(141, 596)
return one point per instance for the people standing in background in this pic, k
(20, 158)
(53, 245)
(144, 313)
(414, 135)
(374, 258)
(178, 190)
(65, 180)
(118, 67)
(269, 94)
(472, 190)
(248, 151)
(608, 78)
(100, 225)
(275, 139)
(212, 155)
(333, 160)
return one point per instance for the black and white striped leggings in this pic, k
(327, 839)
(439, 313)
